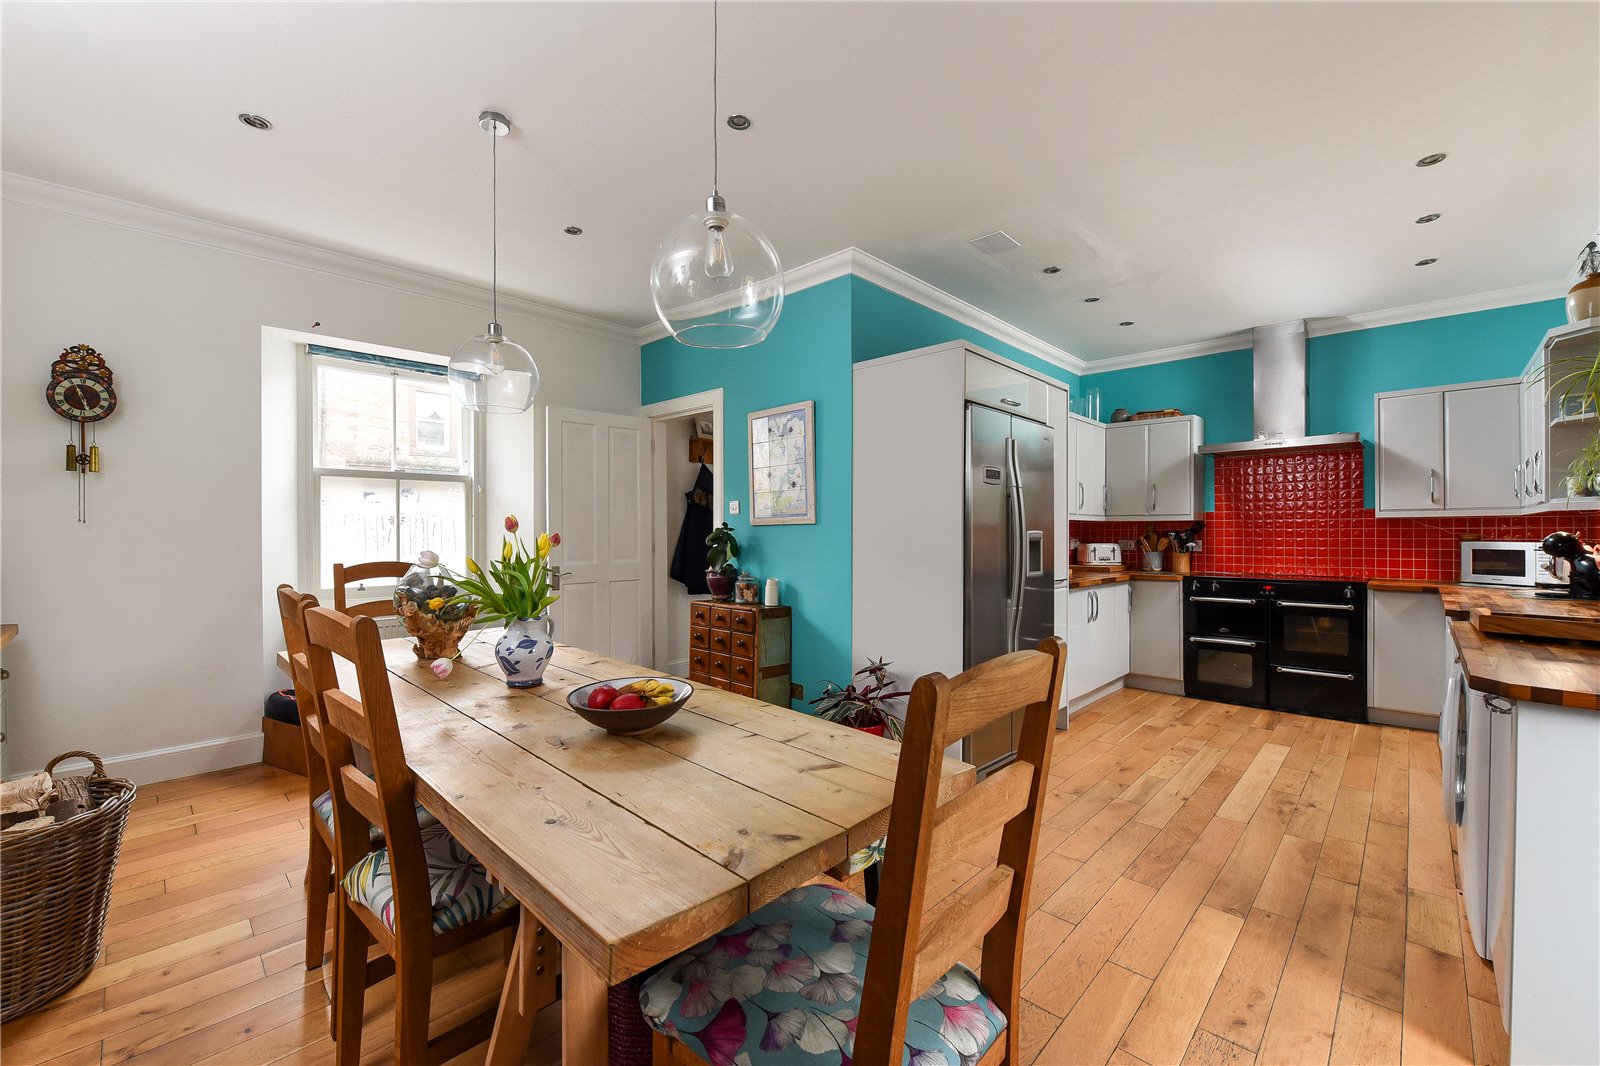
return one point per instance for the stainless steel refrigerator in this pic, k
(1010, 554)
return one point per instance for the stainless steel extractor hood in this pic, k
(1280, 395)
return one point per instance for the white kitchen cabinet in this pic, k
(1552, 435)
(1086, 483)
(1097, 639)
(1533, 488)
(1153, 469)
(1012, 391)
(1406, 656)
(1453, 449)
(1482, 439)
(1155, 635)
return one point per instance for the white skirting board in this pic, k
(1074, 706)
(164, 764)
(1428, 723)
(1146, 683)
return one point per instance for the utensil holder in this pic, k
(1155, 561)
(1180, 562)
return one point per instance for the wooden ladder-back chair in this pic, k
(913, 975)
(401, 911)
(344, 576)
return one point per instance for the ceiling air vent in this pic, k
(995, 243)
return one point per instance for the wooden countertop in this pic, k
(1560, 673)
(1155, 575)
(1088, 579)
(7, 631)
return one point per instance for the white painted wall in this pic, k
(151, 628)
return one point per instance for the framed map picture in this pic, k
(783, 465)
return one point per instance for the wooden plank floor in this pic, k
(1215, 885)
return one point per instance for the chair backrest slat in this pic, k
(912, 946)
(980, 811)
(960, 922)
(292, 606)
(348, 575)
(362, 794)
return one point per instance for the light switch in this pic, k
(733, 506)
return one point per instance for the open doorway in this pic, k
(677, 428)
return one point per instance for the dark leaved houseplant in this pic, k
(864, 703)
(722, 555)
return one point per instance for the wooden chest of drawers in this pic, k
(741, 648)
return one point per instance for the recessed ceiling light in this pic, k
(1427, 218)
(1124, 323)
(738, 122)
(1431, 160)
(1091, 299)
(1051, 270)
(573, 231)
(1426, 262)
(255, 122)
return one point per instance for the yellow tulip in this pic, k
(473, 567)
(505, 551)
(544, 545)
(436, 603)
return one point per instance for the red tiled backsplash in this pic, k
(1300, 514)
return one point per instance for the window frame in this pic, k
(311, 474)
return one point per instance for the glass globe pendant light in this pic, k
(716, 280)
(491, 372)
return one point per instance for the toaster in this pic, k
(1099, 553)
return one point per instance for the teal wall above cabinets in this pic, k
(822, 332)
(1344, 371)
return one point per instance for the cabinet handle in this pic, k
(1433, 486)
(1152, 498)
(1222, 599)
(1317, 606)
(1314, 673)
(1105, 497)
(1516, 482)
(1536, 470)
(1231, 642)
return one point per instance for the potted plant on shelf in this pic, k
(515, 589)
(1583, 471)
(865, 708)
(722, 555)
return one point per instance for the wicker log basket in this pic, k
(55, 891)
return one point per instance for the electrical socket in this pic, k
(1197, 546)
(797, 692)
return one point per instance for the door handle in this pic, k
(1230, 641)
(1433, 486)
(1222, 599)
(1317, 606)
(1018, 543)
(555, 579)
(1314, 673)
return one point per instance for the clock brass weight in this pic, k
(80, 391)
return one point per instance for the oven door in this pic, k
(1226, 614)
(1323, 693)
(1319, 636)
(1229, 669)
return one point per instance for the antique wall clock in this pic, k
(80, 391)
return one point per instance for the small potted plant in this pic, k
(1582, 473)
(722, 556)
(865, 708)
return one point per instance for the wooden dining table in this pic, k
(631, 849)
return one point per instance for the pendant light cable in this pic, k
(716, 160)
(494, 223)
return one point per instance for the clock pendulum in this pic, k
(80, 391)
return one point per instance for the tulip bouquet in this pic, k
(515, 586)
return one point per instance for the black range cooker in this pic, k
(1290, 645)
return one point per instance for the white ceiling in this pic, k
(1201, 167)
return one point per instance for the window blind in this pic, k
(377, 360)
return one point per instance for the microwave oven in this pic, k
(1510, 562)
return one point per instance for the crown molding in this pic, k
(869, 267)
(64, 199)
(1232, 342)
(1323, 327)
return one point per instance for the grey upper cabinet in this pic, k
(1153, 469)
(1451, 449)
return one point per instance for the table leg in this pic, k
(530, 985)
(584, 1013)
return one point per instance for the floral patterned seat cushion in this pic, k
(457, 884)
(784, 986)
(323, 805)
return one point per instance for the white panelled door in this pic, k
(597, 485)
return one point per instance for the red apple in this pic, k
(601, 696)
(628, 701)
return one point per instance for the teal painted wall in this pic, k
(1343, 372)
(884, 323)
(806, 357)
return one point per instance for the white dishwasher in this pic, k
(1477, 799)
